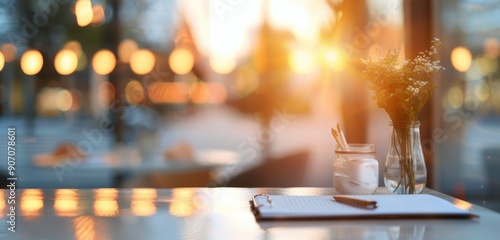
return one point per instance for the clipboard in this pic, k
(411, 206)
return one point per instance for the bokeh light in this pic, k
(31, 62)
(486, 65)
(491, 47)
(64, 100)
(204, 93)
(83, 12)
(134, 92)
(76, 100)
(2, 61)
(47, 101)
(106, 94)
(104, 62)
(98, 15)
(199, 92)
(125, 50)
(74, 46)
(461, 59)
(482, 92)
(218, 92)
(142, 62)
(9, 52)
(181, 61)
(66, 62)
(168, 92)
(222, 65)
(455, 97)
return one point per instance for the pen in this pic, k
(341, 135)
(356, 202)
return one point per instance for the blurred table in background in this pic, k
(210, 213)
(125, 164)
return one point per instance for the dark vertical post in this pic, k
(418, 35)
(117, 111)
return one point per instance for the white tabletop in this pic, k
(209, 213)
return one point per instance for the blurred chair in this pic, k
(492, 165)
(287, 171)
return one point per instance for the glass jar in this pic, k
(355, 170)
(405, 171)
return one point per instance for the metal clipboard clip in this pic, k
(268, 199)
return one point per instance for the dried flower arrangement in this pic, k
(402, 88)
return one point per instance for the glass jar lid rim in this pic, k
(357, 148)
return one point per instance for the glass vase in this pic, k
(404, 171)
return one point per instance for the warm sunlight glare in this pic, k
(461, 59)
(181, 61)
(66, 62)
(104, 62)
(222, 65)
(334, 60)
(301, 61)
(31, 62)
(142, 62)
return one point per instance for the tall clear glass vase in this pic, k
(405, 171)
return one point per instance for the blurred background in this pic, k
(150, 93)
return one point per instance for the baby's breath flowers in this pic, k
(401, 88)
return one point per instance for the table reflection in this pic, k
(211, 213)
(66, 203)
(349, 229)
(32, 202)
(2, 203)
(183, 202)
(105, 204)
(85, 228)
(142, 202)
